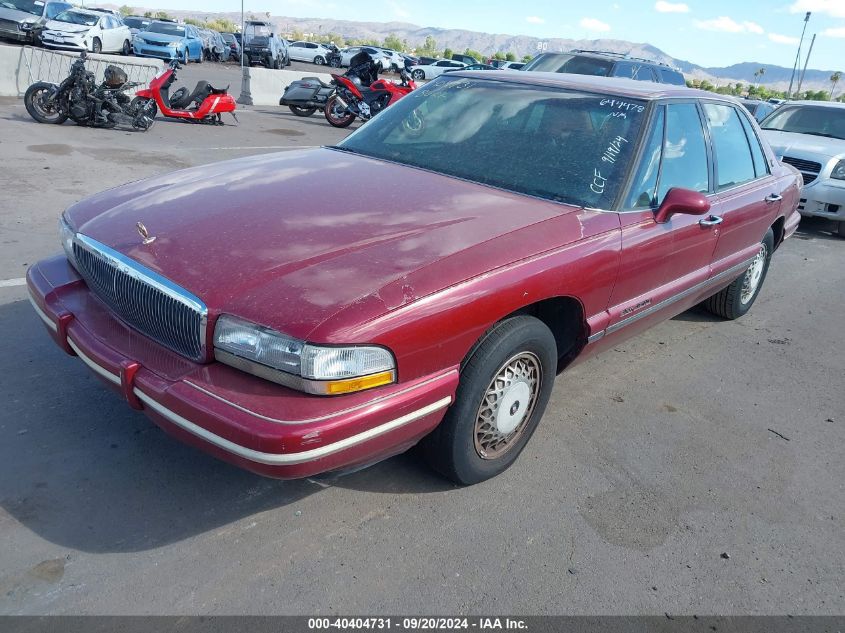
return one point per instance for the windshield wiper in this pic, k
(821, 134)
(348, 150)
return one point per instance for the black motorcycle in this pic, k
(305, 96)
(333, 58)
(80, 99)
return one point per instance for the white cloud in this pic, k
(533, 19)
(838, 32)
(725, 24)
(661, 6)
(834, 8)
(783, 39)
(398, 10)
(592, 24)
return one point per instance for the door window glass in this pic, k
(734, 164)
(684, 152)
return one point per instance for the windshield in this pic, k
(578, 65)
(563, 145)
(167, 28)
(254, 31)
(136, 23)
(819, 121)
(75, 17)
(35, 7)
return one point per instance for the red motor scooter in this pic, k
(205, 104)
(350, 100)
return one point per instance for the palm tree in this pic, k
(757, 74)
(834, 79)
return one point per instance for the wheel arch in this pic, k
(563, 315)
(778, 230)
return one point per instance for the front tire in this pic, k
(735, 300)
(34, 101)
(336, 115)
(503, 391)
(418, 74)
(319, 60)
(126, 50)
(96, 46)
(842, 229)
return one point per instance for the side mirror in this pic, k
(679, 200)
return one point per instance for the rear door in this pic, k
(663, 263)
(746, 189)
(298, 51)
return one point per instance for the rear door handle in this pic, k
(713, 220)
(773, 197)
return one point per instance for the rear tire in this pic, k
(303, 112)
(842, 229)
(335, 116)
(503, 391)
(737, 299)
(32, 101)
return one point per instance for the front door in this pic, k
(663, 262)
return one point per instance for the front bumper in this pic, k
(18, 35)
(160, 52)
(260, 426)
(824, 198)
(65, 44)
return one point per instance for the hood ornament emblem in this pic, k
(144, 233)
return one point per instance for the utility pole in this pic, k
(807, 61)
(798, 54)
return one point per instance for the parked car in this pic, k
(113, 12)
(810, 136)
(262, 46)
(394, 60)
(234, 45)
(760, 109)
(347, 54)
(136, 23)
(21, 20)
(605, 64)
(220, 50)
(309, 52)
(471, 67)
(430, 71)
(512, 66)
(168, 40)
(84, 30)
(446, 322)
(466, 59)
(426, 61)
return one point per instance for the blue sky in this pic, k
(706, 32)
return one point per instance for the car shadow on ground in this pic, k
(82, 470)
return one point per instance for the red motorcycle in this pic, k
(205, 104)
(351, 100)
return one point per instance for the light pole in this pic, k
(798, 54)
(243, 40)
(806, 62)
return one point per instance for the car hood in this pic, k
(786, 143)
(16, 15)
(66, 27)
(289, 240)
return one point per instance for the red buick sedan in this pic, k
(426, 279)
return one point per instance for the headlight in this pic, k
(66, 235)
(839, 171)
(173, 45)
(288, 361)
(26, 26)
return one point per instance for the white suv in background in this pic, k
(810, 136)
(308, 52)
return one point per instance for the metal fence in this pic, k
(38, 64)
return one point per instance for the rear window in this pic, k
(566, 63)
(670, 76)
(563, 145)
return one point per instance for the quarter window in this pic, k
(645, 180)
(684, 161)
(760, 166)
(639, 72)
(734, 164)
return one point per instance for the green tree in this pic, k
(447, 53)
(757, 74)
(526, 59)
(126, 10)
(834, 79)
(429, 48)
(148, 14)
(393, 42)
(510, 57)
(474, 54)
(194, 22)
(499, 55)
(161, 15)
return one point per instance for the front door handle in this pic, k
(773, 197)
(713, 220)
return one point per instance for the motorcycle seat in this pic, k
(200, 92)
(317, 79)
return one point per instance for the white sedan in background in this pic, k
(82, 30)
(309, 52)
(376, 54)
(430, 71)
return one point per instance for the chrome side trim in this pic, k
(363, 405)
(595, 337)
(97, 368)
(47, 320)
(681, 295)
(286, 459)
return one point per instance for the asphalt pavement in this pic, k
(696, 469)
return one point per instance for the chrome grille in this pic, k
(142, 298)
(808, 168)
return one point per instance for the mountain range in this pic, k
(775, 77)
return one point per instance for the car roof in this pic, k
(618, 86)
(85, 11)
